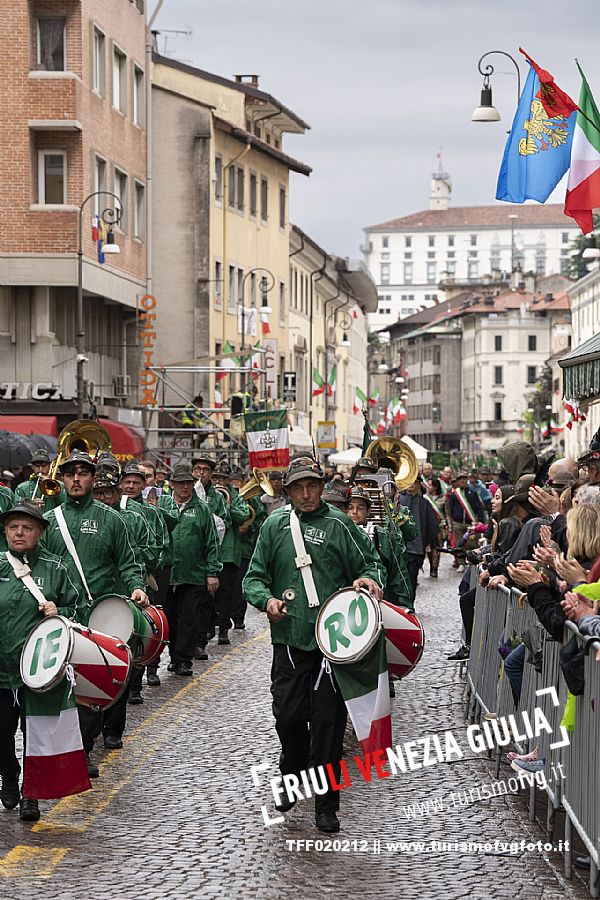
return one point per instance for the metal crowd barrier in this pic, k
(499, 613)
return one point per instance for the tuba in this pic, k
(257, 484)
(394, 454)
(82, 434)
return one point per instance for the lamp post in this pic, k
(267, 282)
(486, 111)
(110, 216)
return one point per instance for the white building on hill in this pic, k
(409, 257)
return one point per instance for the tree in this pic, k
(576, 266)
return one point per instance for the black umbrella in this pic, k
(15, 450)
(43, 442)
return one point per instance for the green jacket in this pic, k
(249, 538)
(195, 545)
(217, 504)
(158, 542)
(340, 551)
(139, 535)
(392, 550)
(108, 558)
(26, 489)
(19, 613)
(7, 499)
(239, 512)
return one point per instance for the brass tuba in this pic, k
(82, 434)
(392, 453)
(257, 484)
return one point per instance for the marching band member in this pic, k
(7, 501)
(248, 537)
(278, 500)
(31, 489)
(19, 614)
(390, 544)
(202, 470)
(231, 554)
(303, 690)
(196, 564)
(337, 493)
(92, 540)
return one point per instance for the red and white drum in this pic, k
(145, 630)
(100, 663)
(404, 639)
(348, 625)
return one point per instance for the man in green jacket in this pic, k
(7, 500)
(195, 567)
(303, 690)
(248, 537)
(202, 470)
(31, 489)
(133, 481)
(19, 614)
(231, 550)
(107, 557)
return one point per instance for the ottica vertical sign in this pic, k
(148, 378)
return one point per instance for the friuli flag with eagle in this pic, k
(538, 149)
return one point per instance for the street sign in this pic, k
(289, 387)
(326, 436)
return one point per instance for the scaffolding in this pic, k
(176, 442)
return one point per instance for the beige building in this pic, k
(329, 300)
(581, 367)
(220, 225)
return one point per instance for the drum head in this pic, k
(112, 616)
(46, 653)
(348, 626)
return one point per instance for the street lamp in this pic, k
(267, 283)
(486, 111)
(382, 367)
(110, 216)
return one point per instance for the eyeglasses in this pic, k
(103, 492)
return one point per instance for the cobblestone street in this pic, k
(175, 813)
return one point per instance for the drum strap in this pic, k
(66, 536)
(303, 560)
(23, 572)
(123, 501)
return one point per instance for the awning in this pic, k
(581, 370)
(30, 424)
(127, 442)
(300, 439)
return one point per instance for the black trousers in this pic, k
(189, 610)
(307, 720)
(467, 611)
(12, 713)
(224, 596)
(110, 721)
(414, 564)
(239, 605)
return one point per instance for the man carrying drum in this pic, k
(338, 554)
(92, 540)
(19, 613)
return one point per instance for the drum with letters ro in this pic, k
(348, 625)
(100, 663)
(146, 631)
(404, 639)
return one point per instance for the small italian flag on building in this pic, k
(360, 402)
(318, 385)
(229, 361)
(366, 692)
(55, 764)
(268, 439)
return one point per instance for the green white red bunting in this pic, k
(583, 188)
(55, 764)
(268, 439)
(366, 692)
(318, 385)
(331, 382)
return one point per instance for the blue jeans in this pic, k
(513, 667)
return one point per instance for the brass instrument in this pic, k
(82, 434)
(391, 453)
(224, 493)
(257, 484)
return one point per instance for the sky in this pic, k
(384, 84)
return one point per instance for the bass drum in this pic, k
(404, 639)
(348, 625)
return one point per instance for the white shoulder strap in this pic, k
(66, 535)
(23, 572)
(303, 560)
(123, 501)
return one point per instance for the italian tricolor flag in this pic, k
(268, 439)
(229, 362)
(366, 691)
(331, 382)
(374, 398)
(360, 401)
(583, 189)
(318, 385)
(55, 764)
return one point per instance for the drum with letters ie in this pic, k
(145, 630)
(100, 663)
(348, 625)
(404, 639)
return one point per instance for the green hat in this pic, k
(303, 467)
(25, 508)
(41, 456)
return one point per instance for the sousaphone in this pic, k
(392, 453)
(82, 434)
